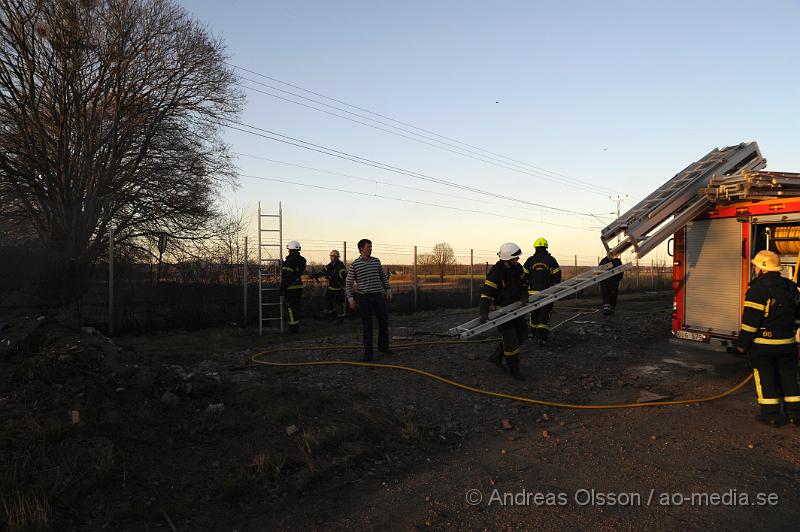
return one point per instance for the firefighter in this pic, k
(542, 271)
(336, 273)
(505, 283)
(769, 320)
(609, 289)
(292, 284)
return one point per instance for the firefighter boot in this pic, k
(294, 328)
(607, 310)
(513, 365)
(497, 357)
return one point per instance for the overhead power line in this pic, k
(563, 179)
(376, 181)
(285, 139)
(404, 200)
(413, 136)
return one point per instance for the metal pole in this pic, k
(344, 250)
(415, 278)
(280, 254)
(471, 272)
(244, 283)
(576, 274)
(260, 305)
(110, 282)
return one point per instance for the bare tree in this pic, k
(442, 256)
(110, 116)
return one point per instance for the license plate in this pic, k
(688, 335)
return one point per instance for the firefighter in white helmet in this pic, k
(769, 322)
(505, 284)
(336, 273)
(543, 271)
(294, 265)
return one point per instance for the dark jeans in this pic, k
(369, 305)
(609, 291)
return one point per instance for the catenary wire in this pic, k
(333, 189)
(577, 181)
(285, 139)
(489, 160)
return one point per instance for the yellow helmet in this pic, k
(767, 261)
(541, 242)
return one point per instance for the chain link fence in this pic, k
(143, 296)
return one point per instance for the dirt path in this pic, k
(181, 425)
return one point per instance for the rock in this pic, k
(649, 397)
(545, 434)
(169, 398)
(66, 358)
(291, 429)
(477, 408)
(506, 424)
(203, 384)
(472, 355)
(88, 330)
(215, 408)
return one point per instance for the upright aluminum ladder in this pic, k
(545, 297)
(270, 302)
(647, 224)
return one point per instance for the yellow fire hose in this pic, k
(256, 358)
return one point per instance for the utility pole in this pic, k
(619, 199)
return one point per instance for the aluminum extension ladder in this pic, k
(545, 297)
(648, 224)
(270, 248)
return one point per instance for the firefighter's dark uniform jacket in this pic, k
(769, 316)
(542, 270)
(336, 274)
(769, 319)
(503, 286)
(291, 273)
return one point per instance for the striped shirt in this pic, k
(368, 275)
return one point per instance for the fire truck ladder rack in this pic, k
(545, 297)
(648, 224)
(270, 248)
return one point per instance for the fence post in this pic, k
(471, 272)
(638, 274)
(415, 278)
(244, 284)
(344, 251)
(577, 294)
(110, 281)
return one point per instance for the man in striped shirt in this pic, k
(369, 296)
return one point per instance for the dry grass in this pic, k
(27, 512)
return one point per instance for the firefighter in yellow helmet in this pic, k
(542, 271)
(294, 265)
(769, 322)
(505, 284)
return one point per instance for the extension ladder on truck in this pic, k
(545, 297)
(643, 227)
(646, 224)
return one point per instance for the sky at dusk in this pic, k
(550, 105)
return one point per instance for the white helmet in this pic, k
(509, 251)
(294, 244)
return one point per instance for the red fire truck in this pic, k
(711, 263)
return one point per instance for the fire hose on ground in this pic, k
(257, 359)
